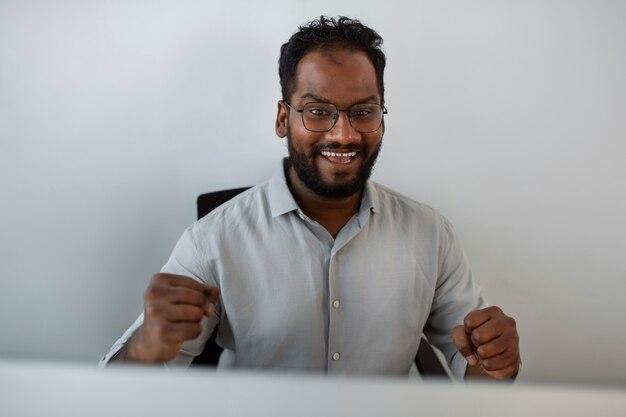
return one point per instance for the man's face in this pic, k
(336, 163)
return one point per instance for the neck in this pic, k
(332, 213)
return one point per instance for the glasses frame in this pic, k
(336, 116)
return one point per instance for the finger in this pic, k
(180, 281)
(209, 309)
(185, 313)
(464, 345)
(486, 332)
(503, 326)
(211, 293)
(493, 348)
(163, 311)
(502, 361)
(182, 295)
(478, 317)
(161, 288)
(210, 298)
(505, 373)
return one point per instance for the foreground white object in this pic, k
(44, 389)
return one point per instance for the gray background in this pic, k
(507, 116)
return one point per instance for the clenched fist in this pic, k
(489, 342)
(174, 306)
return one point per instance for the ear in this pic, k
(282, 120)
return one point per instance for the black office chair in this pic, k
(427, 362)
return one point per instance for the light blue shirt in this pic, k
(294, 298)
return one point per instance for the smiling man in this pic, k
(319, 268)
(334, 129)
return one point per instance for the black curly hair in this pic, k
(341, 33)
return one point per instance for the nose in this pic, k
(343, 132)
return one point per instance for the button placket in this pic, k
(334, 339)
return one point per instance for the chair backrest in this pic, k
(206, 203)
(426, 360)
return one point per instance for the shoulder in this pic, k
(403, 208)
(406, 216)
(245, 208)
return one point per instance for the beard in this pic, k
(311, 177)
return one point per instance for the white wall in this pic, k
(507, 116)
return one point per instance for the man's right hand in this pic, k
(174, 306)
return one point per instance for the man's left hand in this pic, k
(489, 342)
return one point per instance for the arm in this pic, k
(455, 295)
(487, 343)
(179, 303)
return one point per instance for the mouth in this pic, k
(339, 157)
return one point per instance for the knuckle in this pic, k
(156, 278)
(495, 310)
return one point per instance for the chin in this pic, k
(336, 189)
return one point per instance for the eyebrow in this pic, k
(323, 99)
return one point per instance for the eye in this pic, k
(318, 111)
(361, 113)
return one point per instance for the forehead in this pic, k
(340, 76)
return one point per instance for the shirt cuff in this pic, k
(112, 354)
(458, 366)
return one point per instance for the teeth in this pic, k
(339, 154)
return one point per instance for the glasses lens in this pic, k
(366, 117)
(319, 117)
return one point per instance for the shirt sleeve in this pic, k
(456, 294)
(184, 260)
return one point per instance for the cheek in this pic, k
(302, 139)
(372, 140)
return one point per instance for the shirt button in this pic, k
(336, 356)
(336, 304)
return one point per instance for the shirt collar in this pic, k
(281, 200)
(369, 201)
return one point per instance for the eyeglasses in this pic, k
(321, 117)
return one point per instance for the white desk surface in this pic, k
(47, 389)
